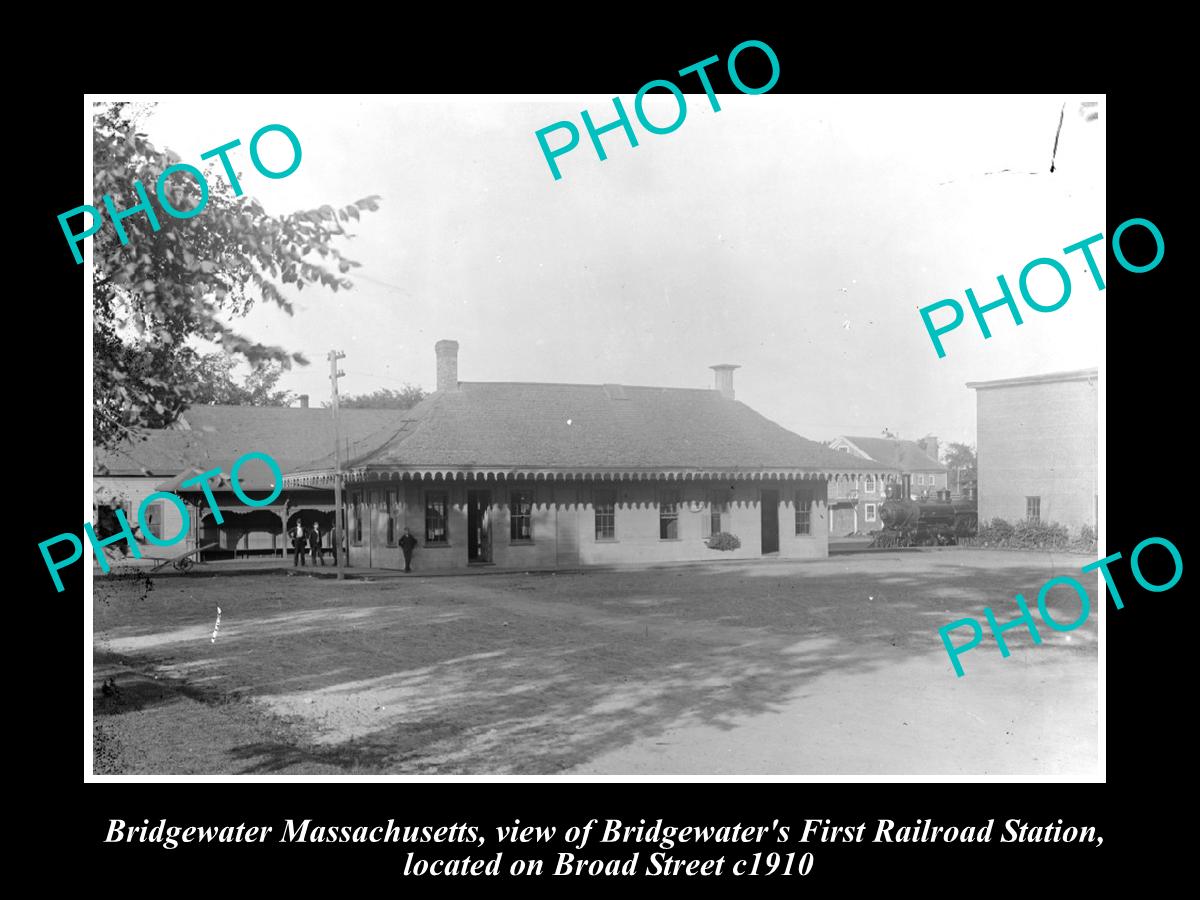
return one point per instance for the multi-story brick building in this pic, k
(1037, 448)
(856, 505)
(522, 475)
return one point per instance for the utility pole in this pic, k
(339, 549)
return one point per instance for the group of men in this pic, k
(310, 539)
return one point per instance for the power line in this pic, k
(384, 377)
(394, 287)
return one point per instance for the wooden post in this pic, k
(339, 549)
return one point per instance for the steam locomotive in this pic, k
(939, 521)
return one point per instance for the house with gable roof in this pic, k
(531, 475)
(855, 502)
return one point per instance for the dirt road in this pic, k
(829, 667)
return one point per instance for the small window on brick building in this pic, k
(870, 513)
(1033, 509)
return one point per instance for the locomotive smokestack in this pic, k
(724, 379)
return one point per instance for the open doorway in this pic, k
(769, 504)
(479, 526)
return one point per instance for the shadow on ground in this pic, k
(534, 674)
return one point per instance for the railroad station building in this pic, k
(530, 475)
(1038, 448)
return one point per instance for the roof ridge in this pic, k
(515, 424)
(579, 384)
(260, 409)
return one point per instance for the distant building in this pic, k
(523, 475)
(855, 503)
(1037, 448)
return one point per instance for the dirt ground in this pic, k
(801, 668)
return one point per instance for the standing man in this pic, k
(407, 544)
(298, 543)
(314, 542)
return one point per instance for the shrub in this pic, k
(1031, 535)
(1039, 535)
(723, 540)
(1000, 529)
(1086, 542)
(994, 533)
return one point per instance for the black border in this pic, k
(1149, 328)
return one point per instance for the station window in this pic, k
(604, 502)
(718, 512)
(668, 516)
(436, 509)
(804, 501)
(520, 516)
(154, 519)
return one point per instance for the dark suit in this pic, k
(407, 544)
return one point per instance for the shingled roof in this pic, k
(907, 456)
(208, 436)
(586, 430)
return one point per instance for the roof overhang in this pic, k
(535, 473)
(1046, 378)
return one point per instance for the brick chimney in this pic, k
(929, 444)
(304, 401)
(724, 379)
(447, 365)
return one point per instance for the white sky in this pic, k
(729, 240)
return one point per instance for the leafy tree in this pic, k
(163, 287)
(960, 459)
(384, 398)
(215, 383)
